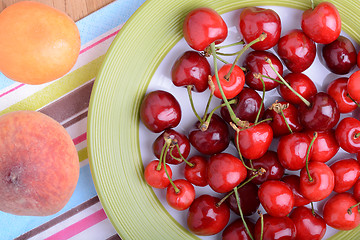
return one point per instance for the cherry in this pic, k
(275, 228)
(205, 217)
(203, 26)
(346, 172)
(214, 139)
(255, 64)
(160, 110)
(237, 230)
(337, 213)
(276, 197)
(322, 24)
(356, 190)
(292, 150)
(297, 51)
(270, 163)
(322, 114)
(347, 134)
(294, 183)
(172, 155)
(353, 86)
(321, 183)
(337, 89)
(249, 200)
(309, 225)
(224, 172)
(197, 174)
(156, 176)
(254, 21)
(301, 83)
(325, 145)
(183, 198)
(340, 55)
(192, 69)
(247, 105)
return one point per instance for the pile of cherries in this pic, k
(306, 124)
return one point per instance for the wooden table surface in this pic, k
(76, 9)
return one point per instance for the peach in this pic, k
(39, 164)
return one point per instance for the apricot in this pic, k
(38, 43)
(39, 164)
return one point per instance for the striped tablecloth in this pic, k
(66, 100)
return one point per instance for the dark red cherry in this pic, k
(346, 172)
(325, 145)
(294, 183)
(275, 228)
(337, 89)
(249, 200)
(297, 51)
(347, 134)
(237, 230)
(196, 174)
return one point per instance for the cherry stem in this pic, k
(175, 142)
(240, 155)
(262, 99)
(241, 42)
(221, 59)
(166, 171)
(357, 135)
(357, 104)
(273, 79)
(158, 167)
(279, 109)
(262, 224)
(212, 90)
(205, 125)
(349, 211)
(307, 156)
(312, 209)
(241, 213)
(286, 83)
(176, 158)
(189, 87)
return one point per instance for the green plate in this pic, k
(113, 121)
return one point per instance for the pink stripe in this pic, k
(79, 139)
(79, 226)
(13, 89)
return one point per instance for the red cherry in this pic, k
(224, 172)
(157, 178)
(197, 174)
(275, 228)
(231, 86)
(308, 225)
(237, 230)
(347, 134)
(183, 199)
(160, 110)
(322, 183)
(276, 197)
(358, 59)
(205, 217)
(203, 26)
(324, 147)
(346, 172)
(337, 89)
(356, 190)
(193, 69)
(322, 24)
(255, 63)
(336, 213)
(249, 200)
(301, 83)
(255, 21)
(353, 86)
(255, 140)
(297, 51)
(294, 183)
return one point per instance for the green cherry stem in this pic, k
(312, 209)
(205, 125)
(167, 143)
(279, 109)
(189, 87)
(241, 213)
(262, 225)
(175, 142)
(166, 171)
(212, 90)
(307, 156)
(349, 211)
(273, 79)
(256, 75)
(241, 42)
(357, 104)
(221, 59)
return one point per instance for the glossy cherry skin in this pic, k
(232, 86)
(278, 123)
(340, 55)
(224, 172)
(157, 178)
(322, 24)
(197, 174)
(308, 226)
(255, 63)
(237, 230)
(160, 110)
(249, 199)
(346, 172)
(183, 199)
(205, 217)
(322, 184)
(346, 134)
(214, 140)
(322, 115)
(301, 83)
(297, 51)
(292, 150)
(336, 212)
(192, 69)
(325, 145)
(337, 89)
(276, 197)
(353, 86)
(275, 228)
(356, 190)
(293, 182)
(270, 163)
(255, 21)
(246, 108)
(182, 141)
(203, 26)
